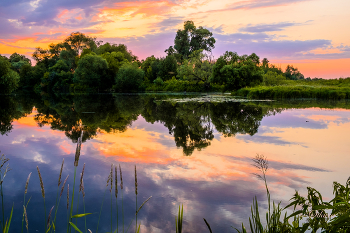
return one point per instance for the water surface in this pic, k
(196, 153)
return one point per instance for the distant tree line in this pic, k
(82, 64)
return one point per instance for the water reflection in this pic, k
(215, 182)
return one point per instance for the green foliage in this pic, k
(9, 79)
(150, 66)
(115, 60)
(129, 78)
(273, 79)
(316, 211)
(196, 69)
(18, 61)
(179, 220)
(191, 39)
(293, 73)
(92, 73)
(108, 48)
(167, 67)
(158, 81)
(298, 91)
(236, 71)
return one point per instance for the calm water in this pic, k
(196, 153)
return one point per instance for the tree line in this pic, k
(80, 63)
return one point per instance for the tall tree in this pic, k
(191, 39)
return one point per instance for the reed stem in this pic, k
(98, 222)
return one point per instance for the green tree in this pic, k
(107, 47)
(92, 73)
(236, 71)
(129, 78)
(9, 79)
(150, 67)
(167, 68)
(196, 68)
(18, 61)
(191, 39)
(115, 60)
(293, 73)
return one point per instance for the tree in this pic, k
(293, 73)
(236, 71)
(150, 67)
(191, 39)
(107, 47)
(78, 41)
(115, 60)
(9, 79)
(129, 78)
(167, 68)
(196, 68)
(18, 61)
(92, 72)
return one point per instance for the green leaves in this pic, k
(75, 227)
(80, 215)
(179, 219)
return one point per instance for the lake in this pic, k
(194, 150)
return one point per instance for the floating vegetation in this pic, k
(211, 99)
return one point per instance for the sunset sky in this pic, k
(313, 35)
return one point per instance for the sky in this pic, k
(312, 35)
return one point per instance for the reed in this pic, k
(42, 192)
(25, 217)
(136, 197)
(179, 219)
(58, 186)
(76, 161)
(80, 189)
(4, 161)
(121, 190)
(24, 198)
(116, 193)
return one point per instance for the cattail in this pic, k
(82, 188)
(111, 180)
(64, 183)
(81, 179)
(26, 187)
(41, 183)
(121, 178)
(67, 196)
(60, 176)
(116, 181)
(77, 151)
(143, 204)
(25, 217)
(135, 181)
(48, 218)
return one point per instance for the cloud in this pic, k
(259, 28)
(262, 3)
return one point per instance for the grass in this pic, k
(295, 92)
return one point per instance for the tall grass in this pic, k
(295, 92)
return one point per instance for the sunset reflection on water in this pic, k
(304, 147)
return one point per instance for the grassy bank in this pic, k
(295, 92)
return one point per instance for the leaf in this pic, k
(75, 227)
(80, 215)
(295, 213)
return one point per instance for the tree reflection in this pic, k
(191, 123)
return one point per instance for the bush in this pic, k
(273, 79)
(129, 78)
